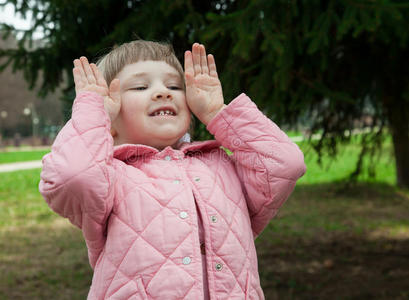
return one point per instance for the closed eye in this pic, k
(174, 87)
(139, 88)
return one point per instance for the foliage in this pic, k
(332, 66)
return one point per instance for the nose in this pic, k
(162, 95)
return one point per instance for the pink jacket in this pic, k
(138, 207)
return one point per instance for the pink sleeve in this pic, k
(268, 163)
(77, 178)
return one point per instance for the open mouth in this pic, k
(163, 112)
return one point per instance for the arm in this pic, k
(78, 177)
(267, 162)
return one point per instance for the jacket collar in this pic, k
(131, 152)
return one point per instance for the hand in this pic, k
(204, 94)
(88, 78)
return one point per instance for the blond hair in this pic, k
(128, 53)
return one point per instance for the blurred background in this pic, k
(333, 74)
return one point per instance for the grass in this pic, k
(327, 229)
(41, 255)
(15, 156)
(340, 168)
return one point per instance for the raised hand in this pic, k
(204, 93)
(88, 78)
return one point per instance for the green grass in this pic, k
(363, 208)
(21, 203)
(340, 168)
(293, 133)
(42, 255)
(16, 156)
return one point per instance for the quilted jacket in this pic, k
(138, 207)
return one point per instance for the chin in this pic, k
(163, 142)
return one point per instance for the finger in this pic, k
(87, 69)
(115, 90)
(196, 58)
(100, 79)
(189, 63)
(212, 66)
(203, 60)
(78, 65)
(78, 79)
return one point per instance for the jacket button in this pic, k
(176, 181)
(213, 219)
(219, 266)
(168, 158)
(183, 215)
(186, 260)
(197, 178)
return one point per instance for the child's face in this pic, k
(153, 111)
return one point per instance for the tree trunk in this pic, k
(399, 125)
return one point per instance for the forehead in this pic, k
(148, 68)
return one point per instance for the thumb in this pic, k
(114, 90)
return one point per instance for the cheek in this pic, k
(131, 107)
(184, 108)
(187, 115)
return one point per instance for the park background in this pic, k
(333, 74)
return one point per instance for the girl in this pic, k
(164, 218)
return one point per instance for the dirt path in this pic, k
(25, 165)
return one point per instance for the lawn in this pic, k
(14, 156)
(329, 241)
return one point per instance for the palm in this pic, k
(88, 79)
(206, 90)
(203, 89)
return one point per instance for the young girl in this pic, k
(164, 218)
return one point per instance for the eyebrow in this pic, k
(143, 74)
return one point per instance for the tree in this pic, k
(340, 64)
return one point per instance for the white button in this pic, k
(197, 179)
(176, 181)
(186, 260)
(168, 158)
(213, 219)
(219, 266)
(183, 215)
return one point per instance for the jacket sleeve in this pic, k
(77, 178)
(268, 163)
